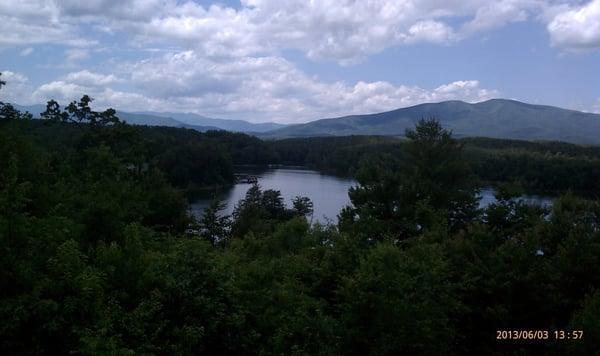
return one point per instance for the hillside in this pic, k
(497, 118)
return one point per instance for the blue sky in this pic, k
(296, 61)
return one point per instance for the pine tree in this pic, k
(431, 188)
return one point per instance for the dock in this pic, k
(246, 178)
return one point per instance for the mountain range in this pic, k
(229, 125)
(496, 118)
(188, 120)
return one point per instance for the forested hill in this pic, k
(497, 118)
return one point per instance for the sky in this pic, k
(293, 61)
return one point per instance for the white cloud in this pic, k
(60, 91)
(381, 96)
(64, 92)
(25, 22)
(12, 78)
(15, 32)
(577, 28)
(596, 106)
(253, 88)
(340, 30)
(430, 31)
(76, 54)
(91, 79)
(468, 90)
(498, 13)
(182, 74)
(26, 51)
(17, 89)
(222, 61)
(115, 9)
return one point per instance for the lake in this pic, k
(328, 193)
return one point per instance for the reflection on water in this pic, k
(328, 193)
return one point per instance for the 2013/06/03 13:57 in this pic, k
(539, 334)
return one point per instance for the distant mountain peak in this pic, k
(499, 118)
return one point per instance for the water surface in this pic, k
(328, 193)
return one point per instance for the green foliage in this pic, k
(302, 206)
(399, 302)
(277, 278)
(338, 155)
(260, 210)
(215, 227)
(587, 319)
(548, 167)
(99, 255)
(80, 112)
(431, 188)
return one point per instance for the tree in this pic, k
(214, 227)
(302, 206)
(7, 111)
(399, 302)
(248, 213)
(586, 320)
(272, 203)
(430, 188)
(13, 197)
(53, 112)
(80, 112)
(438, 173)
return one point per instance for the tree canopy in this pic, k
(100, 255)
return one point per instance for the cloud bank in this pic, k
(224, 61)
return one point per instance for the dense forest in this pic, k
(100, 255)
(544, 167)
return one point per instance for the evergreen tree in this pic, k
(215, 227)
(303, 206)
(431, 188)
